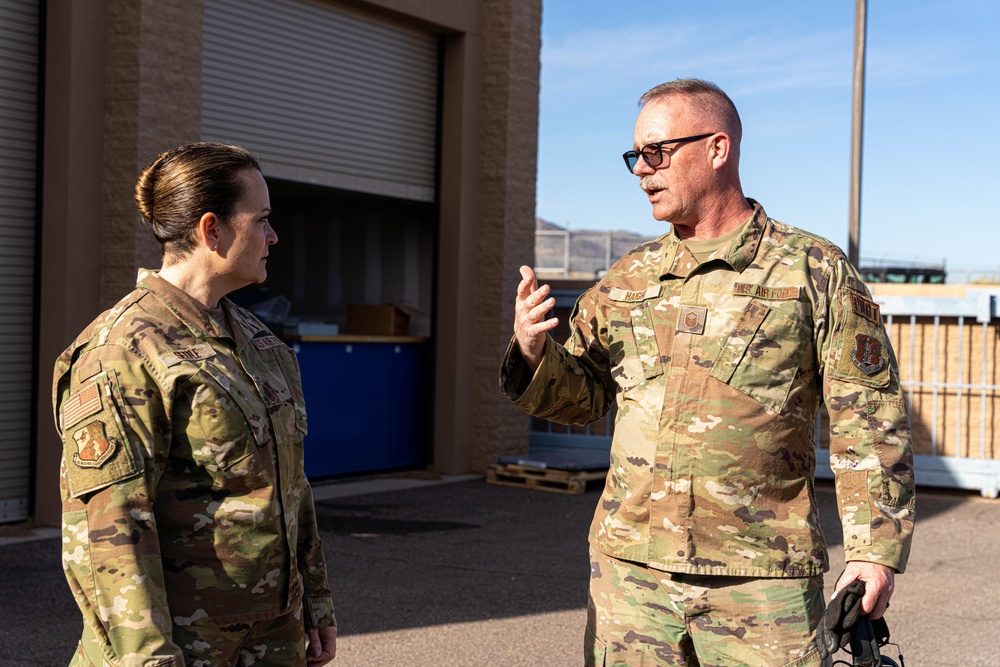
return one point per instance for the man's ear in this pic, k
(208, 231)
(719, 148)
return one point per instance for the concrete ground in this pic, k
(466, 573)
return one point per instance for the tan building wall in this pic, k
(123, 83)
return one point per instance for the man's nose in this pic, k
(641, 168)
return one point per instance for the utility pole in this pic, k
(857, 123)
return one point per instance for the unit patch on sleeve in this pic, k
(867, 354)
(862, 349)
(93, 447)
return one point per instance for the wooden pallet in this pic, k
(542, 479)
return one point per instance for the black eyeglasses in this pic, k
(653, 153)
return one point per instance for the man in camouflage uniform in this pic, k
(188, 524)
(717, 342)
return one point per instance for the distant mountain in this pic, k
(589, 249)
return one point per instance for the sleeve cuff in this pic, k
(516, 377)
(319, 612)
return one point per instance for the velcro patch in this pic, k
(266, 342)
(93, 446)
(82, 404)
(86, 371)
(856, 285)
(867, 354)
(766, 292)
(196, 353)
(692, 320)
(619, 294)
(865, 308)
(271, 397)
(863, 350)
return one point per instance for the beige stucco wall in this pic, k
(123, 83)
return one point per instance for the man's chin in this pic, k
(662, 214)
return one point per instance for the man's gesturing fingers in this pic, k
(530, 325)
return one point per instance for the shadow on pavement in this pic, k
(455, 553)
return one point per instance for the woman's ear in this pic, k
(208, 231)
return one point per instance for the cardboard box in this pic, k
(377, 320)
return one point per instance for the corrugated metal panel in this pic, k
(18, 154)
(323, 94)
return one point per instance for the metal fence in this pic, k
(948, 351)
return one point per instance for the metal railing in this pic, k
(948, 452)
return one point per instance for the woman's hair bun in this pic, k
(186, 182)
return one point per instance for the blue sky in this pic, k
(931, 143)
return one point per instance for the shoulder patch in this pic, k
(867, 354)
(619, 294)
(96, 452)
(196, 353)
(865, 308)
(82, 404)
(863, 349)
(93, 446)
(767, 292)
(266, 342)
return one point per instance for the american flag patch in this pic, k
(265, 342)
(82, 404)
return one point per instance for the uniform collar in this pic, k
(678, 260)
(244, 326)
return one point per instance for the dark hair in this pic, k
(710, 100)
(183, 184)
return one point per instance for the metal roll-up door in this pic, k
(19, 24)
(323, 94)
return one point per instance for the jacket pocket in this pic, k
(634, 354)
(762, 356)
(233, 424)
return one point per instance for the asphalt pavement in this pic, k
(455, 572)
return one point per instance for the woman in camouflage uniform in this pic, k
(189, 531)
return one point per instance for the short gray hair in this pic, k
(708, 98)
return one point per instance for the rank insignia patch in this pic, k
(93, 447)
(692, 320)
(271, 397)
(867, 354)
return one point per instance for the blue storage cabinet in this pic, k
(367, 401)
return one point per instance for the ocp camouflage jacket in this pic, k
(717, 370)
(184, 496)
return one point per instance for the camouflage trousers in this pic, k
(640, 617)
(278, 642)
